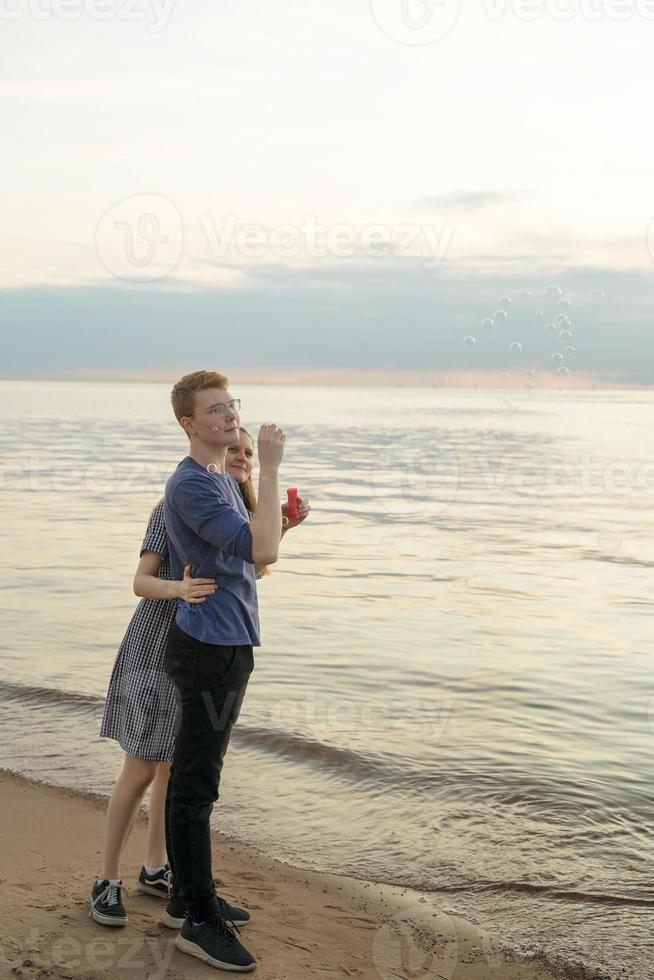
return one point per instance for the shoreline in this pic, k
(304, 923)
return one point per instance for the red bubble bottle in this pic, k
(292, 510)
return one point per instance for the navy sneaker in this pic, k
(107, 904)
(215, 943)
(157, 884)
(174, 914)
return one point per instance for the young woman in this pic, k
(139, 711)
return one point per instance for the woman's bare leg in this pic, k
(156, 853)
(126, 798)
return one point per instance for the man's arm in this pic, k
(213, 518)
(266, 524)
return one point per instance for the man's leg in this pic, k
(212, 681)
(169, 841)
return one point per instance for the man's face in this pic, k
(215, 421)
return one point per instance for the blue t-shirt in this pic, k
(208, 527)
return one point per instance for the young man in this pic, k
(209, 656)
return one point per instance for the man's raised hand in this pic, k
(271, 446)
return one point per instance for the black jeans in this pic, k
(210, 682)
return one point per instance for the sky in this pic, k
(326, 191)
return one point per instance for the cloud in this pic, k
(367, 318)
(471, 200)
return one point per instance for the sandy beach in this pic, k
(304, 924)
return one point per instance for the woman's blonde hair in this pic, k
(247, 489)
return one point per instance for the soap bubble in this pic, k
(557, 358)
(609, 542)
(552, 327)
(561, 318)
(505, 300)
(505, 374)
(552, 292)
(530, 373)
(525, 294)
(570, 350)
(540, 314)
(488, 323)
(528, 384)
(470, 342)
(565, 335)
(515, 347)
(564, 304)
(500, 316)
(563, 371)
(597, 293)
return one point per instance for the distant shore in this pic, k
(543, 380)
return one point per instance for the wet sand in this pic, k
(304, 924)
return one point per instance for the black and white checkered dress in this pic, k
(139, 712)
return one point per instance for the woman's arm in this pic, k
(304, 509)
(146, 583)
(149, 586)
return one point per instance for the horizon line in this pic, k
(352, 377)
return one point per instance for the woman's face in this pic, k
(239, 460)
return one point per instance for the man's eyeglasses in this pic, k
(220, 411)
